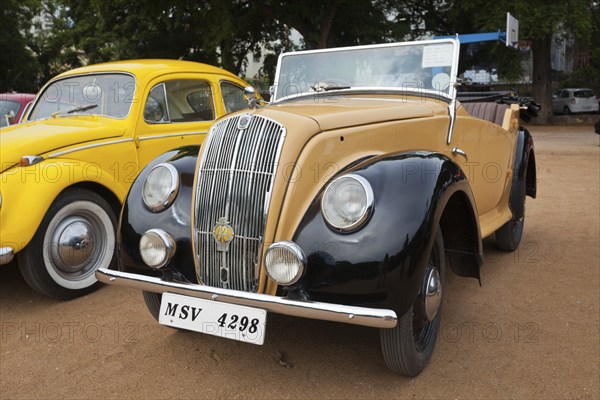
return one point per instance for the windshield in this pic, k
(110, 95)
(8, 109)
(425, 67)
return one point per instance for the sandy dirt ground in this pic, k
(531, 331)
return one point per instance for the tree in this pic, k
(18, 65)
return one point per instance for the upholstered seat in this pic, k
(489, 111)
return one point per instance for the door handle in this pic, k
(456, 150)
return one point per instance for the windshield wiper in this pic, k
(74, 110)
(326, 87)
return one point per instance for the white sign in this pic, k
(438, 55)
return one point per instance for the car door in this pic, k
(178, 110)
(489, 152)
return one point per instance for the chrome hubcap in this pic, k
(73, 244)
(433, 293)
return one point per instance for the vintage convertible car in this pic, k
(65, 172)
(345, 200)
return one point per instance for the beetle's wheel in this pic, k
(408, 347)
(75, 238)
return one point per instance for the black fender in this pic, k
(524, 174)
(383, 263)
(136, 219)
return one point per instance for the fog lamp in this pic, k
(285, 262)
(156, 248)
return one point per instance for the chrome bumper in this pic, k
(6, 255)
(373, 317)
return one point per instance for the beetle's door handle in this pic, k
(456, 150)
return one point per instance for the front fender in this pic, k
(136, 219)
(28, 192)
(383, 263)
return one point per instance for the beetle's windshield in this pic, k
(427, 66)
(110, 95)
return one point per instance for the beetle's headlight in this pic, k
(156, 248)
(285, 262)
(347, 202)
(160, 187)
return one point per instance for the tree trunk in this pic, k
(542, 78)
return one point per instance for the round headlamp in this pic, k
(156, 248)
(347, 202)
(285, 262)
(160, 187)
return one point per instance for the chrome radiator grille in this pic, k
(235, 180)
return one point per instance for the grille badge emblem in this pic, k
(244, 121)
(223, 234)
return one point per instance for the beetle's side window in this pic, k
(233, 97)
(155, 109)
(565, 94)
(185, 100)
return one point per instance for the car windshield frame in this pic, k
(436, 62)
(124, 92)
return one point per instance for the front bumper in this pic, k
(372, 317)
(6, 255)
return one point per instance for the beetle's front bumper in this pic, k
(6, 255)
(372, 317)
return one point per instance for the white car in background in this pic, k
(571, 101)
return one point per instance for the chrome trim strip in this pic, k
(372, 317)
(452, 114)
(89, 146)
(171, 135)
(6, 255)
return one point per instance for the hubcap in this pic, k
(73, 244)
(433, 293)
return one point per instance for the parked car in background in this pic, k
(66, 170)
(13, 106)
(572, 101)
(348, 198)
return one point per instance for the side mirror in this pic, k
(253, 99)
(10, 117)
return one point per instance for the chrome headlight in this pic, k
(156, 248)
(347, 202)
(160, 187)
(285, 262)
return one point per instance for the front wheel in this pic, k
(75, 238)
(152, 301)
(567, 111)
(408, 347)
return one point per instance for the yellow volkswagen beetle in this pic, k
(65, 172)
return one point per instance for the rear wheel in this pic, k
(75, 238)
(408, 347)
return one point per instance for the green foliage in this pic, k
(18, 64)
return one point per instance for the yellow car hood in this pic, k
(40, 137)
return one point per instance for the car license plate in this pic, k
(229, 321)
